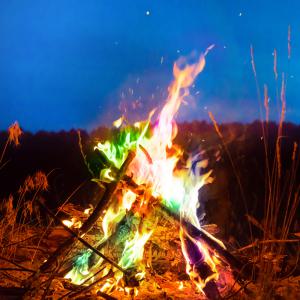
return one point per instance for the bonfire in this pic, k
(151, 176)
(145, 238)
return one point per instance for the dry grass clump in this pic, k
(21, 224)
(21, 215)
(14, 133)
(277, 253)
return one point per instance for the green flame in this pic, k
(80, 268)
(116, 150)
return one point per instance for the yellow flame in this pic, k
(105, 175)
(128, 199)
(118, 122)
(68, 223)
(88, 211)
(116, 212)
(181, 286)
(72, 223)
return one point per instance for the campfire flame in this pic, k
(154, 168)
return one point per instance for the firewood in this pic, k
(55, 257)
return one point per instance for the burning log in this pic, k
(242, 271)
(197, 267)
(59, 253)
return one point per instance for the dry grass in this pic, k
(14, 133)
(282, 195)
(21, 214)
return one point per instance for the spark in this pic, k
(240, 14)
(148, 13)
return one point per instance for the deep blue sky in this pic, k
(80, 63)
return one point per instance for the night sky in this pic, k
(80, 64)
